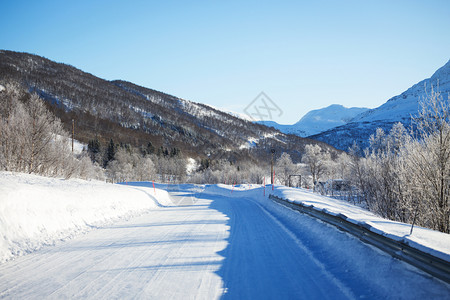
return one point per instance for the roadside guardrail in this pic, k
(426, 262)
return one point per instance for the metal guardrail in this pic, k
(426, 262)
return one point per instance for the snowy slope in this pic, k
(319, 120)
(397, 109)
(37, 211)
(406, 104)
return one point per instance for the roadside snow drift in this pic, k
(429, 241)
(37, 211)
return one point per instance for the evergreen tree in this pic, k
(94, 149)
(175, 152)
(204, 164)
(150, 148)
(110, 153)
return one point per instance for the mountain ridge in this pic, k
(399, 108)
(137, 115)
(409, 98)
(319, 120)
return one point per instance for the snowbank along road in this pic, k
(215, 244)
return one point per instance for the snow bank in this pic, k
(37, 211)
(430, 241)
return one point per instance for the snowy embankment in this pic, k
(426, 240)
(37, 211)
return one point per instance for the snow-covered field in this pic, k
(37, 211)
(198, 242)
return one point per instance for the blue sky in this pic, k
(303, 54)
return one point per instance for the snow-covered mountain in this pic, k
(319, 120)
(397, 109)
(407, 103)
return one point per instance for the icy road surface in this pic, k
(213, 246)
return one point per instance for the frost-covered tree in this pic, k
(131, 165)
(316, 160)
(42, 136)
(88, 170)
(121, 169)
(145, 170)
(357, 174)
(379, 175)
(13, 129)
(255, 174)
(284, 167)
(430, 156)
(31, 138)
(404, 176)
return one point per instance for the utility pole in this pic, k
(271, 167)
(73, 132)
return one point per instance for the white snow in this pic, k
(251, 143)
(78, 147)
(242, 116)
(191, 165)
(37, 211)
(198, 111)
(219, 241)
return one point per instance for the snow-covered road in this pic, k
(212, 246)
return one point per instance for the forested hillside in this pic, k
(129, 114)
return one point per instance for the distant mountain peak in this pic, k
(402, 106)
(319, 120)
(399, 108)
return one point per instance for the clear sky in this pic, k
(303, 54)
